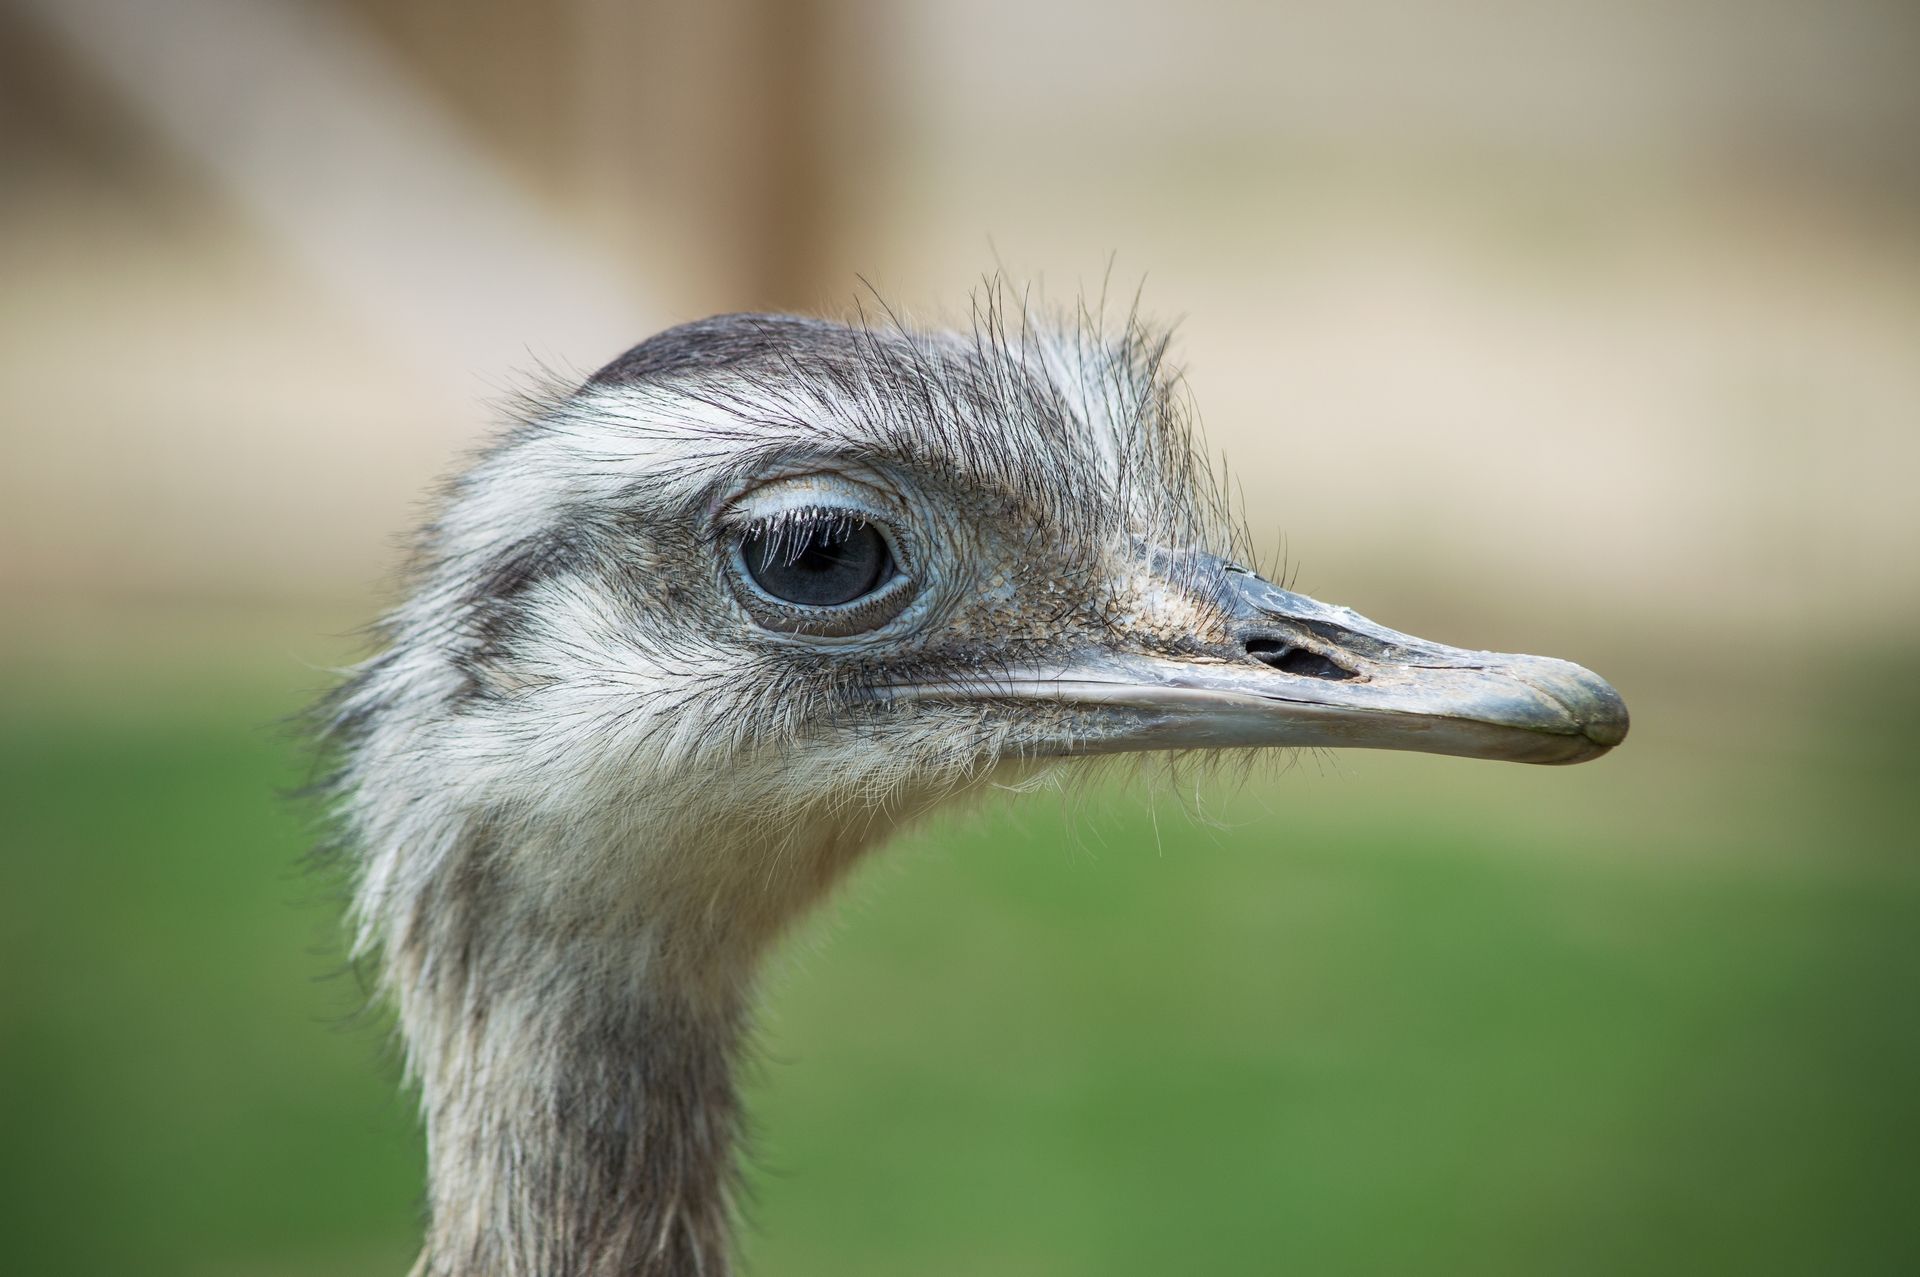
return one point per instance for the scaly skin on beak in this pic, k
(1299, 672)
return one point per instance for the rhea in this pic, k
(688, 640)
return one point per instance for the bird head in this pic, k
(779, 583)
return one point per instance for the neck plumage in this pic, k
(579, 1102)
(575, 1048)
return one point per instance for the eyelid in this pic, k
(791, 493)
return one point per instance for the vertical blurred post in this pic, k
(795, 218)
(695, 141)
(705, 145)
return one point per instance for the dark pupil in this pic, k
(818, 564)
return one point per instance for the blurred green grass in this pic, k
(1386, 1015)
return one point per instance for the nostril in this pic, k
(1289, 659)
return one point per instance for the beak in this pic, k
(1298, 672)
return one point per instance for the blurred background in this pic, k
(1582, 328)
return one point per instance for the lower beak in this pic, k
(1301, 673)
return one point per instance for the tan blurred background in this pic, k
(1610, 310)
(1589, 327)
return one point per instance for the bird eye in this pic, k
(819, 571)
(820, 563)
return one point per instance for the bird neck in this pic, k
(573, 1129)
(576, 1053)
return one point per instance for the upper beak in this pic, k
(1297, 672)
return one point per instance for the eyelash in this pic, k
(798, 525)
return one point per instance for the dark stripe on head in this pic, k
(494, 609)
(725, 342)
